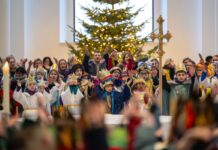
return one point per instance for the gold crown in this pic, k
(104, 74)
(31, 79)
(54, 67)
(138, 80)
(72, 78)
(180, 68)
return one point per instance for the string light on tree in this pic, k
(112, 24)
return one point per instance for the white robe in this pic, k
(71, 101)
(56, 92)
(29, 102)
(47, 99)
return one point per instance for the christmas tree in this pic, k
(112, 28)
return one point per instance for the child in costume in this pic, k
(56, 86)
(113, 99)
(86, 85)
(42, 88)
(31, 100)
(40, 74)
(203, 81)
(71, 97)
(19, 76)
(177, 88)
(144, 72)
(116, 77)
(140, 91)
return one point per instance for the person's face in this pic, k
(46, 62)
(38, 63)
(116, 74)
(12, 63)
(199, 72)
(97, 56)
(154, 63)
(215, 58)
(211, 61)
(79, 72)
(31, 86)
(141, 87)
(181, 76)
(186, 61)
(63, 65)
(18, 75)
(41, 89)
(53, 76)
(144, 74)
(39, 76)
(216, 69)
(189, 65)
(172, 63)
(109, 88)
(127, 57)
(154, 72)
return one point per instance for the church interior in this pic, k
(108, 74)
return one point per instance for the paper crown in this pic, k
(201, 66)
(180, 68)
(103, 75)
(72, 78)
(54, 67)
(31, 79)
(115, 68)
(41, 83)
(138, 80)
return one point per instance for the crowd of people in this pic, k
(63, 103)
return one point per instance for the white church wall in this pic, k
(42, 29)
(17, 28)
(210, 27)
(185, 23)
(4, 28)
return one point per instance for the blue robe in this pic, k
(116, 101)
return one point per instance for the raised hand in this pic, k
(90, 84)
(18, 83)
(87, 52)
(106, 50)
(56, 60)
(30, 63)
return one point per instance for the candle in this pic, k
(6, 100)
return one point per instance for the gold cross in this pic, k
(160, 36)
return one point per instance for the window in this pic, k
(145, 15)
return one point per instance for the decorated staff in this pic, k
(160, 36)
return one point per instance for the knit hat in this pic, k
(115, 68)
(105, 77)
